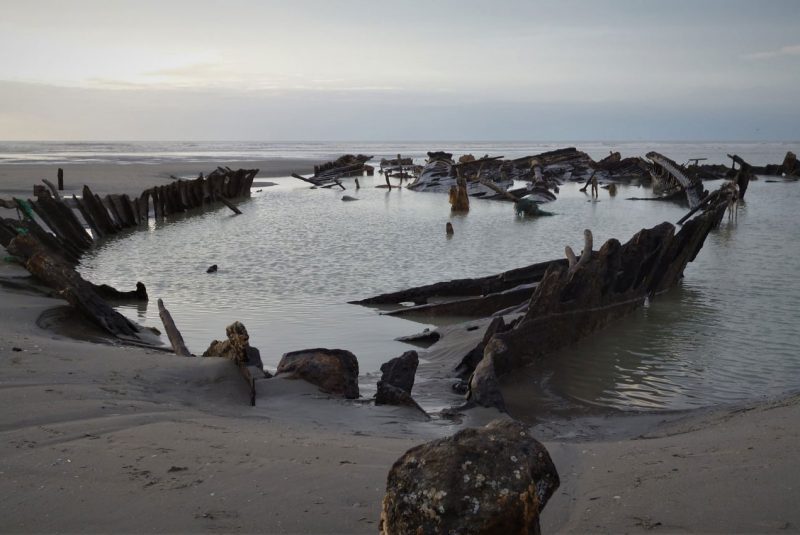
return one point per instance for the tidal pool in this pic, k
(289, 265)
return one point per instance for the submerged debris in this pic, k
(671, 179)
(330, 174)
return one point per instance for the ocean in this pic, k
(290, 264)
(152, 152)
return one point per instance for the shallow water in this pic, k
(288, 266)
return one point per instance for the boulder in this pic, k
(491, 480)
(400, 371)
(334, 371)
(397, 380)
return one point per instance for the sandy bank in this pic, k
(104, 438)
(18, 179)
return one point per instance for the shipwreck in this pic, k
(533, 311)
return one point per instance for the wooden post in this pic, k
(60, 179)
(174, 335)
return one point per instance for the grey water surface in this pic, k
(290, 264)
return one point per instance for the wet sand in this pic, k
(102, 438)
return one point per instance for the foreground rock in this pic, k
(236, 348)
(334, 371)
(496, 479)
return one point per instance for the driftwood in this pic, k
(112, 294)
(320, 183)
(59, 275)
(174, 335)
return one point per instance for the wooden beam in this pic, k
(230, 205)
(174, 335)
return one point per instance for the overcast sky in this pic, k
(406, 70)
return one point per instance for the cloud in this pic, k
(789, 50)
(236, 79)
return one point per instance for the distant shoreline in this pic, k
(18, 179)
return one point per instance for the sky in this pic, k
(307, 70)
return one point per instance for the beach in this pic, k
(98, 437)
(133, 178)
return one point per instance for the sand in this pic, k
(103, 438)
(18, 179)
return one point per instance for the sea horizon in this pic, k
(156, 152)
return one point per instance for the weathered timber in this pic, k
(465, 287)
(52, 188)
(669, 176)
(344, 166)
(174, 335)
(131, 210)
(62, 238)
(230, 205)
(500, 191)
(569, 305)
(51, 243)
(98, 233)
(479, 306)
(112, 294)
(63, 222)
(69, 285)
(98, 212)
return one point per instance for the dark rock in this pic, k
(397, 380)
(334, 371)
(496, 479)
(400, 371)
(392, 395)
(253, 358)
(212, 269)
(424, 339)
(348, 198)
(460, 387)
